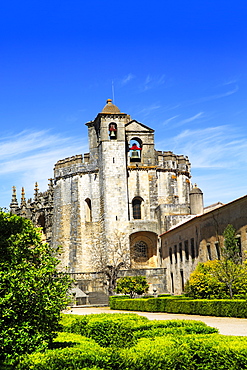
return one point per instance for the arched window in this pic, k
(88, 210)
(135, 149)
(140, 250)
(113, 131)
(136, 206)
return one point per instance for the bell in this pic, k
(113, 134)
(134, 155)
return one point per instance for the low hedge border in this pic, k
(204, 307)
(123, 330)
(74, 352)
(190, 352)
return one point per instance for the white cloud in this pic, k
(214, 147)
(147, 110)
(190, 119)
(168, 120)
(213, 97)
(152, 82)
(30, 156)
(127, 79)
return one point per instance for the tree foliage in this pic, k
(132, 285)
(32, 293)
(203, 283)
(222, 278)
(230, 250)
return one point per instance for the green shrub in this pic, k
(122, 330)
(161, 344)
(132, 285)
(113, 299)
(66, 321)
(140, 304)
(190, 352)
(175, 327)
(212, 307)
(107, 329)
(33, 293)
(75, 352)
(216, 307)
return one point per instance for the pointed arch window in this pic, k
(113, 131)
(135, 149)
(136, 207)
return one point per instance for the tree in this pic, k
(203, 283)
(111, 258)
(222, 278)
(32, 293)
(132, 285)
(229, 270)
(230, 250)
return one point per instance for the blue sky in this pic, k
(178, 67)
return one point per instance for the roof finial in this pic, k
(23, 199)
(36, 191)
(50, 184)
(14, 202)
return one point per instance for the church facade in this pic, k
(114, 201)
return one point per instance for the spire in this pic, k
(14, 202)
(23, 199)
(36, 191)
(50, 184)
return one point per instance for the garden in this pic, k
(132, 342)
(35, 336)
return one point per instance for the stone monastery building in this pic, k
(116, 201)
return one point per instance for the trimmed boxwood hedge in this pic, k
(74, 352)
(159, 344)
(123, 330)
(206, 307)
(180, 352)
(189, 352)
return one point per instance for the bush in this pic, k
(132, 285)
(190, 352)
(161, 344)
(107, 330)
(224, 278)
(114, 298)
(213, 307)
(32, 292)
(122, 330)
(174, 327)
(75, 352)
(203, 284)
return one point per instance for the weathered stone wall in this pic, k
(95, 282)
(199, 240)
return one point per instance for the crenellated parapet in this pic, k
(69, 161)
(75, 165)
(170, 161)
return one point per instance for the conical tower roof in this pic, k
(110, 108)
